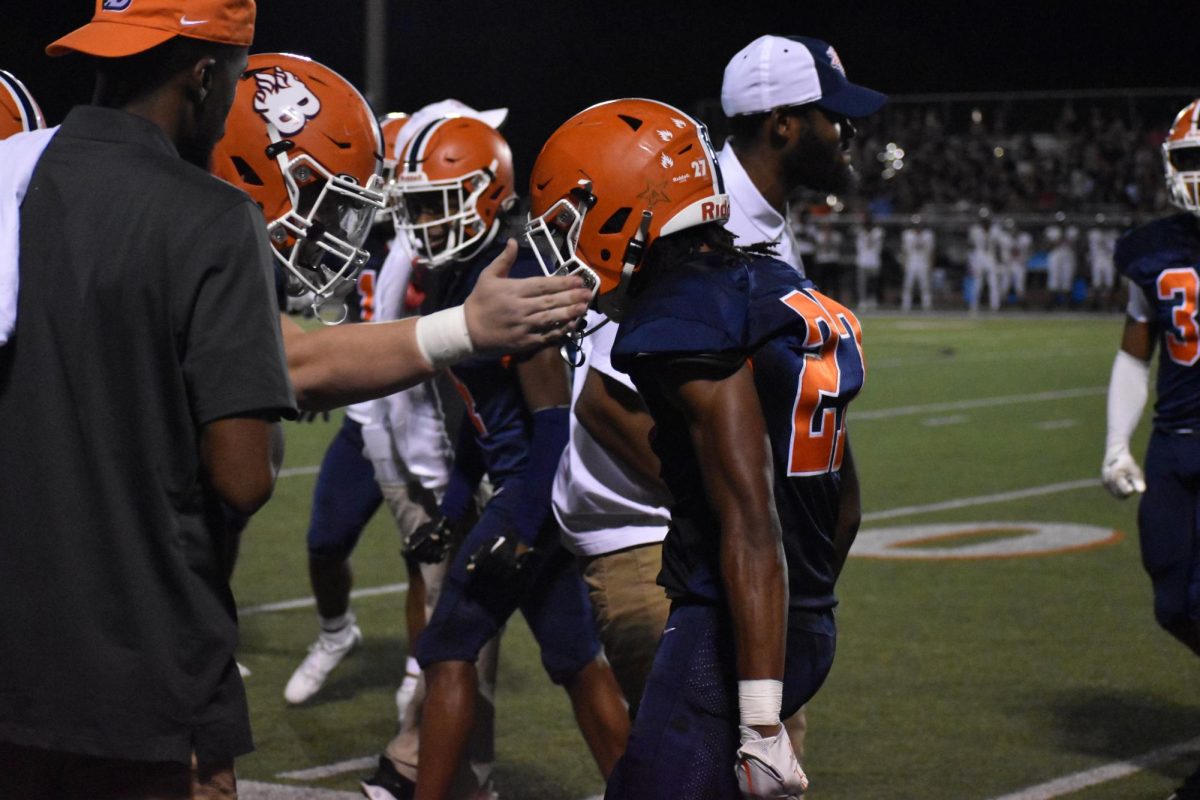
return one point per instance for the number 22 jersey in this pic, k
(805, 351)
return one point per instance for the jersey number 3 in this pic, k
(1181, 286)
(831, 375)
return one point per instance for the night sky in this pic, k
(546, 60)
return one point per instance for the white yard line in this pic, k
(329, 770)
(1108, 772)
(980, 402)
(257, 790)
(308, 602)
(292, 472)
(983, 499)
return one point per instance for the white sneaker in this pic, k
(404, 695)
(325, 654)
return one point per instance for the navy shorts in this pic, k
(1167, 524)
(345, 497)
(685, 738)
(552, 597)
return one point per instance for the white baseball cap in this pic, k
(493, 117)
(778, 71)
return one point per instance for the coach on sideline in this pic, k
(141, 380)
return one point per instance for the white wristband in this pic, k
(443, 338)
(759, 701)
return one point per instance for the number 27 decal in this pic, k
(829, 379)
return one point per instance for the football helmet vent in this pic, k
(453, 180)
(612, 180)
(304, 144)
(1181, 159)
(19, 112)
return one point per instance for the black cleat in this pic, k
(388, 784)
(1189, 789)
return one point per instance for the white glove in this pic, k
(767, 769)
(1121, 474)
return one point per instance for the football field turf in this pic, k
(996, 638)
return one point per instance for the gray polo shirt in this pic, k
(146, 310)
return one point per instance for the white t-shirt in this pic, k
(404, 434)
(603, 505)
(751, 217)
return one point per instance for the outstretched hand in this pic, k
(506, 316)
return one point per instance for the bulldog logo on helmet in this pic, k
(115, 5)
(283, 100)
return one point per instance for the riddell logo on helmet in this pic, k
(115, 5)
(712, 211)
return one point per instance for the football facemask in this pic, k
(319, 240)
(440, 217)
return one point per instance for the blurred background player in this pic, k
(453, 187)
(982, 266)
(1102, 243)
(868, 262)
(828, 256)
(916, 254)
(678, 278)
(1061, 263)
(1162, 261)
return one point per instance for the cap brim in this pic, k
(853, 101)
(109, 40)
(494, 117)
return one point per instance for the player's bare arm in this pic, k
(730, 438)
(617, 418)
(240, 457)
(849, 511)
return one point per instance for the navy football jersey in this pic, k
(1163, 259)
(806, 354)
(489, 385)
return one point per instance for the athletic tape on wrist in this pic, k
(759, 701)
(443, 338)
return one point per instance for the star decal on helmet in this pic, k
(654, 194)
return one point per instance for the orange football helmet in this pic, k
(612, 180)
(390, 125)
(454, 179)
(304, 144)
(1181, 158)
(19, 112)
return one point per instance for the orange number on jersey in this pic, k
(469, 401)
(1181, 286)
(366, 295)
(829, 378)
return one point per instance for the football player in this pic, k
(454, 185)
(757, 460)
(303, 143)
(1162, 261)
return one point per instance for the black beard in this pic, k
(818, 164)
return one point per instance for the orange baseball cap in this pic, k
(127, 27)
